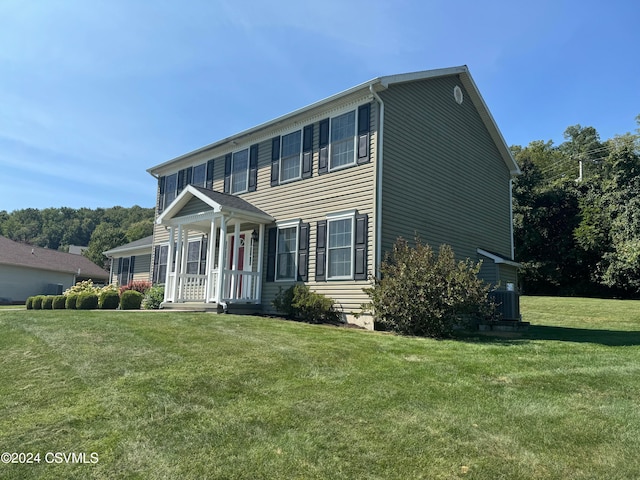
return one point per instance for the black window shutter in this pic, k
(119, 265)
(321, 251)
(271, 254)
(307, 151)
(227, 173)
(275, 161)
(204, 245)
(210, 174)
(132, 262)
(188, 176)
(253, 168)
(360, 254)
(323, 144)
(364, 125)
(156, 263)
(303, 253)
(181, 180)
(161, 183)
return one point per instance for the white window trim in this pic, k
(348, 214)
(299, 176)
(284, 225)
(355, 141)
(246, 186)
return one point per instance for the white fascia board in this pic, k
(498, 259)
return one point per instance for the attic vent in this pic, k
(457, 94)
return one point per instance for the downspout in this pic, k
(378, 201)
(513, 250)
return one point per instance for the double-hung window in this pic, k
(125, 270)
(160, 270)
(170, 186)
(199, 174)
(287, 250)
(240, 171)
(343, 140)
(291, 157)
(340, 246)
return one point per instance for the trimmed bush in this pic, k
(108, 300)
(37, 302)
(130, 300)
(59, 302)
(47, 302)
(153, 298)
(87, 301)
(300, 303)
(71, 302)
(427, 295)
(29, 303)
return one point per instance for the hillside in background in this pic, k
(57, 228)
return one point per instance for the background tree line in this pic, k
(57, 228)
(577, 231)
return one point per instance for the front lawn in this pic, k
(176, 395)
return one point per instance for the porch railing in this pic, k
(238, 285)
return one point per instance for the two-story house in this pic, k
(320, 194)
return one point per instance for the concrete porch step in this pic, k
(236, 308)
(192, 307)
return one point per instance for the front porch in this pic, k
(218, 250)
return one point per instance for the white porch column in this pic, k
(168, 292)
(176, 282)
(260, 261)
(184, 258)
(211, 251)
(221, 259)
(234, 267)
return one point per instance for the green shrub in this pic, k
(47, 302)
(130, 300)
(59, 302)
(153, 298)
(108, 300)
(87, 301)
(427, 295)
(300, 303)
(29, 303)
(71, 301)
(37, 302)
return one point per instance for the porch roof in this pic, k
(214, 204)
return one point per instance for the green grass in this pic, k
(175, 395)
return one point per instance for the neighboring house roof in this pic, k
(23, 255)
(137, 247)
(378, 84)
(218, 202)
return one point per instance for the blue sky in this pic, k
(92, 92)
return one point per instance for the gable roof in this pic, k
(218, 202)
(137, 246)
(377, 84)
(23, 255)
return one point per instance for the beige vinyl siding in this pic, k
(309, 199)
(142, 268)
(443, 178)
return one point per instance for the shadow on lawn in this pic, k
(613, 338)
